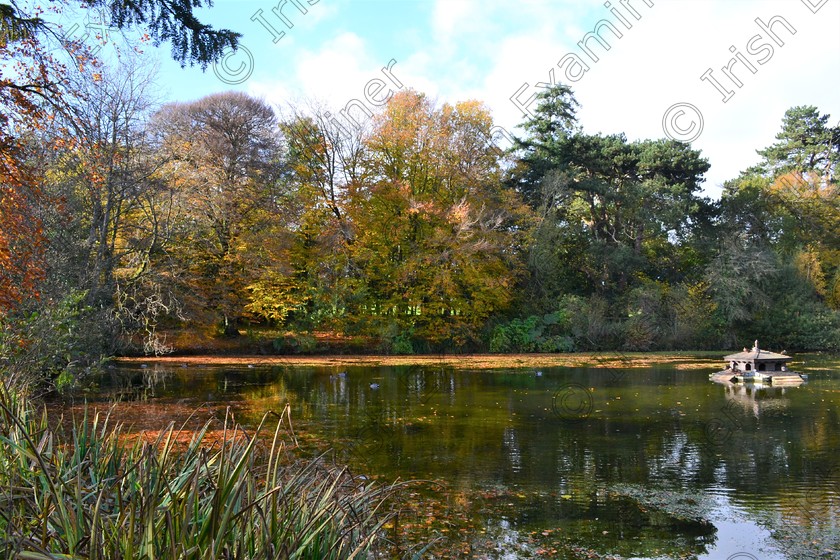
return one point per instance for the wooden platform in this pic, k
(766, 378)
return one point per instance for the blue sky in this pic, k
(648, 83)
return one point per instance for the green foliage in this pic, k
(402, 344)
(59, 340)
(545, 333)
(696, 323)
(640, 333)
(295, 343)
(172, 21)
(622, 225)
(15, 25)
(612, 212)
(518, 335)
(396, 338)
(553, 121)
(88, 493)
(796, 318)
(806, 143)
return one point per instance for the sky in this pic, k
(717, 73)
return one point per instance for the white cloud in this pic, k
(487, 50)
(450, 18)
(659, 61)
(334, 73)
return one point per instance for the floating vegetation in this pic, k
(673, 506)
(806, 537)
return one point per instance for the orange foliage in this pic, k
(36, 60)
(21, 234)
(30, 89)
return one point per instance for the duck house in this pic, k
(757, 360)
(758, 366)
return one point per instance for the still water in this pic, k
(642, 463)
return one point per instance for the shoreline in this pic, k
(687, 360)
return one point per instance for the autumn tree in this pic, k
(23, 89)
(21, 235)
(436, 234)
(118, 216)
(323, 159)
(225, 163)
(103, 166)
(36, 62)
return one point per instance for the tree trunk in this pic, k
(229, 327)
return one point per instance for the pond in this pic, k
(597, 462)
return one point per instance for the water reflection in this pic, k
(135, 384)
(522, 479)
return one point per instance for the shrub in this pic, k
(296, 343)
(53, 340)
(517, 335)
(557, 344)
(547, 333)
(402, 344)
(396, 338)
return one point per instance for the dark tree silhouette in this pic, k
(173, 21)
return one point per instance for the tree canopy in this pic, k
(413, 233)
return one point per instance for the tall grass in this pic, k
(85, 492)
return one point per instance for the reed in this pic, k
(87, 492)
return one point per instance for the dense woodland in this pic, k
(128, 221)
